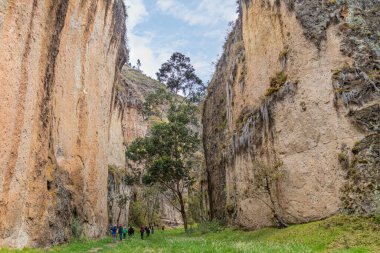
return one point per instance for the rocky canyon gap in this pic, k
(290, 124)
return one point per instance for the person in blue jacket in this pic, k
(113, 232)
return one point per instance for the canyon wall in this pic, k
(59, 65)
(291, 120)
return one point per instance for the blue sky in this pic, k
(197, 28)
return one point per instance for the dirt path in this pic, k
(95, 250)
(98, 249)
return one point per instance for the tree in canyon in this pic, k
(267, 178)
(167, 152)
(179, 76)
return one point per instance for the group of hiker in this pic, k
(147, 230)
(121, 232)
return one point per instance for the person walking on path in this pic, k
(142, 230)
(131, 231)
(113, 232)
(147, 230)
(121, 232)
(124, 233)
(152, 229)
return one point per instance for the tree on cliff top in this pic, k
(179, 76)
(168, 150)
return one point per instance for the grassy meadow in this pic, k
(337, 234)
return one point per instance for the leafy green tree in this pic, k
(179, 75)
(168, 150)
(155, 102)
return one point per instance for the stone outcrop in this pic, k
(131, 124)
(59, 65)
(291, 117)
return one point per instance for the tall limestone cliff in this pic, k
(59, 65)
(291, 121)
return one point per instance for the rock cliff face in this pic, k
(59, 64)
(291, 121)
(130, 124)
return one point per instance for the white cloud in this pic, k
(153, 49)
(207, 12)
(141, 44)
(136, 12)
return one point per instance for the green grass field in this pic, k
(337, 234)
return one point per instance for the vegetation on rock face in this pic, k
(120, 175)
(358, 87)
(283, 57)
(168, 150)
(76, 228)
(276, 82)
(361, 191)
(344, 160)
(179, 76)
(355, 87)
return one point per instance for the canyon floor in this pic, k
(336, 234)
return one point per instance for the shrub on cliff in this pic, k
(76, 229)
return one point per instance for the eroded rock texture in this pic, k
(291, 118)
(59, 64)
